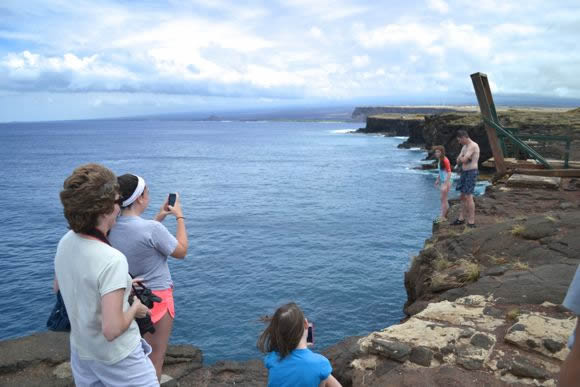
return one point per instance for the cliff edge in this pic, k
(484, 304)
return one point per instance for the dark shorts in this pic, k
(467, 181)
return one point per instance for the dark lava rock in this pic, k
(466, 333)
(496, 271)
(552, 345)
(449, 348)
(482, 341)
(224, 373)
(444, 376)
(416, 307)
(524, 368)
(538, 230)
(421, 356)
(493, 312)
(340, 356)
(503, 364)
(393, 349)
(468, 362)
(517, 327)
(531, 343)
(180, 360)
(51, 347)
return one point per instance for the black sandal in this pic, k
(471, 225)
(457, 222)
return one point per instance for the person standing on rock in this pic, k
(468, 159)
(105, 345)
(148, 244)
(289, 361)
(443, 180)
(570, 371)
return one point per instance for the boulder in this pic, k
(542, 334)
(527, 181)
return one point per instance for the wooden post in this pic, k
(487, 107)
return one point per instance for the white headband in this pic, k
(138, 192)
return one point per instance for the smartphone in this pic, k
(171, 199)
(310, 337)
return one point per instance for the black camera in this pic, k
(147, 298)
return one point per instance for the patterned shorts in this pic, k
(467, 181)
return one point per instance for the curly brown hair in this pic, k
(284, 332)
(88, 193)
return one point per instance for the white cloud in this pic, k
(516, 29)
(316, 32)
(360, 61)
(200, 50)
(433, 39)
(395, 34)
(438, 5)
(329, 10)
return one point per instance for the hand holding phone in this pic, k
(171, 199)
(310, 337)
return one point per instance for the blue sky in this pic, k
(62, 59)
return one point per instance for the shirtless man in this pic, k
(468, 158)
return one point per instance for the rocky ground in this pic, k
(484, 304)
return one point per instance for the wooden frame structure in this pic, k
(497, 134)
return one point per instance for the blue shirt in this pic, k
(572, 300)
(301, 368)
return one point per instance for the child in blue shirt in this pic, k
(288, 360)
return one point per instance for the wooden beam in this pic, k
(487, 108)
(549, 172)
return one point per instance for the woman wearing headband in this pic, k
(147, 244)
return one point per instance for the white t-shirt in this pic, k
(86, 270)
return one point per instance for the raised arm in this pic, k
(181, 236)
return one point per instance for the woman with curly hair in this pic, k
(93, 277)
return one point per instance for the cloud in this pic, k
(438, 5)
(316, 32)
(432, 39)
(360, 61)
(226, 51)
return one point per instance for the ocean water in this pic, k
(276, 212)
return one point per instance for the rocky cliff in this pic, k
(361, 113)
(441, 129)
(483, 303)
(393, 126)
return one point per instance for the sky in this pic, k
(62, 59)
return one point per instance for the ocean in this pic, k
(276, 212)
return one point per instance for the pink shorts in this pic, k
(166, 305)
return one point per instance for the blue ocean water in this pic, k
(276, 212)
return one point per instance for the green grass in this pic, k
(519, 265)
(512, 314)
(441, 263)
(518, 229)
(497, 260)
